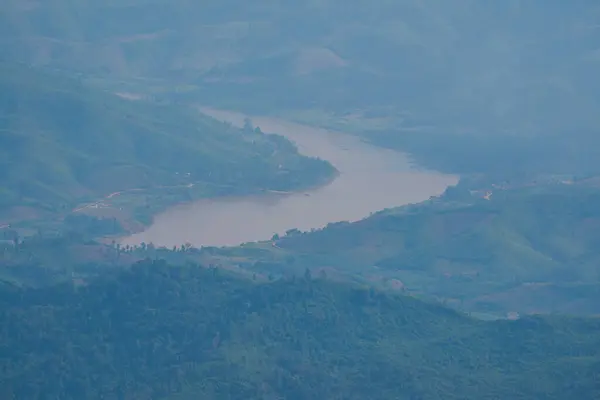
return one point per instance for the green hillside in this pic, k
(529, 250)
(62, 143)
(163, 332)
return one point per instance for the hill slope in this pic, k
(530, 249)
(62, 142)
(477, 79)
(489, 66)
(184, 333)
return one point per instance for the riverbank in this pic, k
(135, 209)
(370, 179)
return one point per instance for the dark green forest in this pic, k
(529, 249)
(165, 332)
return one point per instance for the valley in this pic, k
(369, 179)
(65, 145)
(299, 200)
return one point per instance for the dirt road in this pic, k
(115, 194)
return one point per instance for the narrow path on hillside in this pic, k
(188, 185)
(115, 194)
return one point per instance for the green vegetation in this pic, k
(164, 332)
(92, 225)
(99, 115)
(62, 143)
(500, 157)
(529, 249)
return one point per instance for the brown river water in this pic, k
(371, 179)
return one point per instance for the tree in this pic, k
(248, 128)
(293, 232)
(323, 274)
(307, 275)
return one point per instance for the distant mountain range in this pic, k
(510, 66)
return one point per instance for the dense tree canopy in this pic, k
(165, 332)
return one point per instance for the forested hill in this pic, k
(62, 142)
(507, 67)
(529, 249)
(504, 87)
(163, 332)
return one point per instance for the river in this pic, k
(370, 179)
